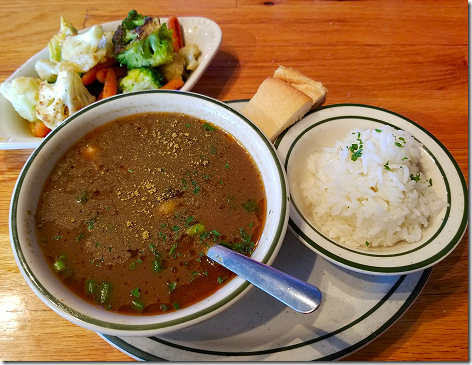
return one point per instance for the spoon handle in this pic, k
(297, 294)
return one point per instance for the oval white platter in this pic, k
(322, 128)
(14, 130)
(356, 308)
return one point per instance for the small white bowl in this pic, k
(30, 258)
(322, 128)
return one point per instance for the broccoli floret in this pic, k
(60, 100)
(55, 43)
(22, 93)
(143, 78)
(141, 41)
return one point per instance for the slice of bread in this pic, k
(314, 89)
(276, 106)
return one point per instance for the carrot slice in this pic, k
(102, 75)
(110, 86)
(91, 75)
(174, 84)
(39, 129)
(178, 41)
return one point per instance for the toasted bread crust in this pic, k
(310, 87)
(276, 106)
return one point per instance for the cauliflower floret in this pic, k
(107, 43)
(87, 49)
(22, 93)
(48, 70)
(54, 45)
(190, 54)
(60, 100)
(174, 69)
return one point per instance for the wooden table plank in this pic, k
(410, 57)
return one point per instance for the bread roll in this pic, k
(276, 106)
(310, 87)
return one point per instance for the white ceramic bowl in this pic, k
(322, 128)
(25, 197)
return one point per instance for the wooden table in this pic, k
(410, 57)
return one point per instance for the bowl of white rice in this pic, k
(371, 190)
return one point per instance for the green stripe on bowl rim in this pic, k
(369, 268)
(76, 316)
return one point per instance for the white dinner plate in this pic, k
(356, 308)
(322, 128)
(14, 130)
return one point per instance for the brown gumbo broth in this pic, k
(127, 214)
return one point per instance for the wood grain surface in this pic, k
(410, 57)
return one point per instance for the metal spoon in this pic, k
(301, 296)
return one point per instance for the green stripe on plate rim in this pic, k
(417, 266)
(53, 301)
(143, 355)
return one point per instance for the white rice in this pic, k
(375, 200)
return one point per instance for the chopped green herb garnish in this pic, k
(164, 307)
(378, 130)
(354, 147)
(59, 265)
(135, 292)
(227, 166)
(404, 158)
(398, 144)
(137, 304)
(220, 279)
(356, 155)
(386, 167)
(208, 127)
(415, 177)
(90, 224)
(430, 181)
(176, 305)
(157, 266)
(171, 286)
(90, 287)
(57, 237)
(79, 237)
(251, 206)
(172, 249)
(104, 292)
(83, 197)
(367, 243)
(130, 171)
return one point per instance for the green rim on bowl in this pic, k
(417, 257)
(75, 316)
